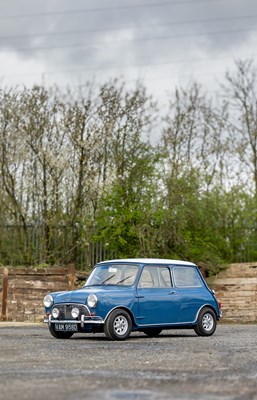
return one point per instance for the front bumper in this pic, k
(84, 320)
(85, 317)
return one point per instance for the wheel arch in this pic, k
(125, 309)
(206, 306)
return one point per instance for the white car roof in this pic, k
(150, 261)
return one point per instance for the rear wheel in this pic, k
(58, 334)
(206, 323)
(152, 332)
(118, 325)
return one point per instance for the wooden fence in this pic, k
(22, 290)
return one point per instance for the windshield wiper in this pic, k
(107, 279)
(122, 280)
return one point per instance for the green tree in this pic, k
(126, 205)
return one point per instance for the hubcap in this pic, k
(207, 322)
(120, 325)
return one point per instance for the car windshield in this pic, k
(113, 274)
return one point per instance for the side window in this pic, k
(146, 279)
(155, 277)
(187, 277)
(164, 277)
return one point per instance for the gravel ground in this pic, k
(176, 365)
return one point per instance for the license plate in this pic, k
(66, 327)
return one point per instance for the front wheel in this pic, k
(206, 323)
(59, 335)
(118, 325)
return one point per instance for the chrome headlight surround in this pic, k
(75, 312)
(92, 300)
(55, 312)
(48, 301)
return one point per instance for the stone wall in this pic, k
(236, 288)
(26, 289)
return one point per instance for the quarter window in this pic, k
(164, 276)
(187, 277)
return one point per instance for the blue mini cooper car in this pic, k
(146, 295)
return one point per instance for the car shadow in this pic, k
(133, 337)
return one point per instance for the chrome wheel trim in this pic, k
(120, 325)
(207, 322)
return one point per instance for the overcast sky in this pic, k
(162, 42)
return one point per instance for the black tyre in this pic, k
(153, 332)
(59, 335)
(118, 325)
(206, 323)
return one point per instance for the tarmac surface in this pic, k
(175, 365)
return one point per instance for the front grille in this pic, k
(65, 311)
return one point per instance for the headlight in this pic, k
(75, 312)
(48, 301)
(92, 300)
(55, 312)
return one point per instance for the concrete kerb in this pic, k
(4, 324)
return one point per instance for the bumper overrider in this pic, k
(65, 310)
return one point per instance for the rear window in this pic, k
(187, 277)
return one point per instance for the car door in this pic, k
(191, 291)
(157, 299)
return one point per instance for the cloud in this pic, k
(164, 42)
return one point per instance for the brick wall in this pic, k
(27, 288)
